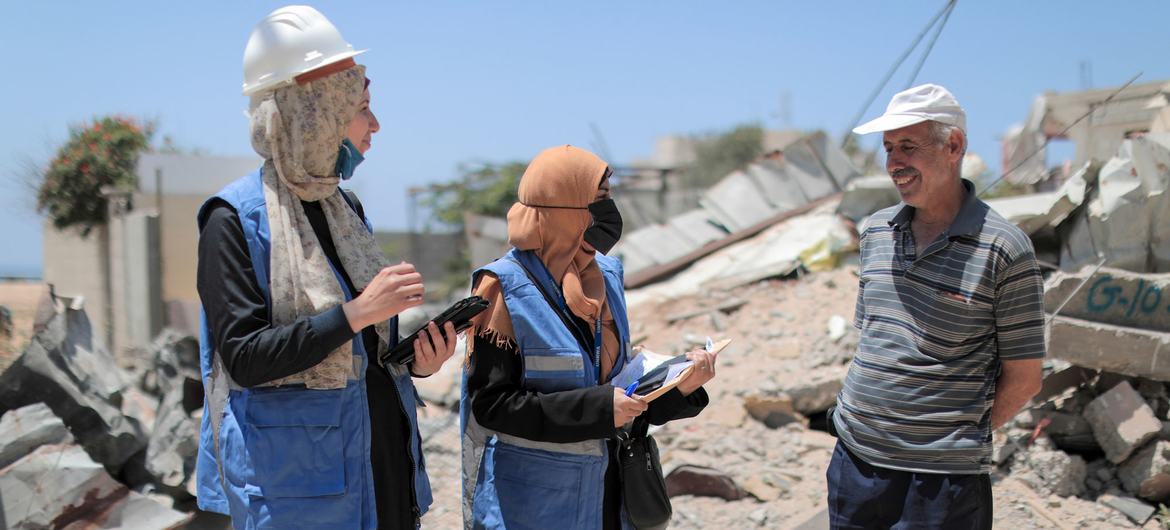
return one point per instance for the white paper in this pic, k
(645, 361)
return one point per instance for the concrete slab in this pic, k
(26, 428)
(737, 202)
(633, 258)
(59, 485)
(659, 243)
(1119, 349)
(866, 195)
(696, 225)
(1112, 296)
(779, 187)
(1136, 510)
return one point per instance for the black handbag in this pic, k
(643, 488)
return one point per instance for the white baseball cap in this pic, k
(916, 105)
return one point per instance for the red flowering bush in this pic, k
(101, 154)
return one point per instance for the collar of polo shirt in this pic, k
(968, 221)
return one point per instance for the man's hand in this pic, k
(392, 291)
(1018, 382)
(429, 358)
(626, 408)
(703, 371)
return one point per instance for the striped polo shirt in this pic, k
(934, 328)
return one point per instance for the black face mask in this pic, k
(606, 229)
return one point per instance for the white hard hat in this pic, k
(291, 41)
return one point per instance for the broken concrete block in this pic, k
(772, 411)
(80, 382)
(60, 486)
(176, 365)
(1110, 348)
(1062, 378)
(702, 482)
(1136, 510)
(761, 490)
(28, 428)
(1147, 473)
(1121, 421)
(1051, 471)
(818, 393)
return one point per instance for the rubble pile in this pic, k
(87, 444)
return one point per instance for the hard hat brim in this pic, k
(290, 77)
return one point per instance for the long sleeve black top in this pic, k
(255, 352)
(500, 403)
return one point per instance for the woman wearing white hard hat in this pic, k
(302, 427)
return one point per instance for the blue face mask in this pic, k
(348, 158)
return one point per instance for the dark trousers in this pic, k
(871, 497)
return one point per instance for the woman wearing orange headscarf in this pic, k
(539, 417)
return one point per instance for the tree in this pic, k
(97, 157)
(718, 155)
(487, 189)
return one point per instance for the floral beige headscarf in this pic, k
(298, 129)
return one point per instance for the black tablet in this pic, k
(459, 314)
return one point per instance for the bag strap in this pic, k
(555, 307)
(639, 429)
(354, 203)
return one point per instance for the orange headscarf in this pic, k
(550, 219)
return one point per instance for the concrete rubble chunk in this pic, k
(1051, 471)
(1147, 473)
(819, 393)
(1136, 510)
(80, 382)
(1110, 348)
(772, 411)
(174, 443)
(702, 482)
(757, 487)
(60, 486)
(1121, 421)
(27, 428)
(175, 360)
(1063, 377)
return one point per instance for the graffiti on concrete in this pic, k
(1109, 296)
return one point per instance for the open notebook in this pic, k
(655, 374)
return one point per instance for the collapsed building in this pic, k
(767, 256)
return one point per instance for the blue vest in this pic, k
(514, 483)
(289, 456)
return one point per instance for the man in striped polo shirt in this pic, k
(952, 335)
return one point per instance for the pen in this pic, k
(630, 389)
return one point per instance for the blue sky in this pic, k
(462, 82)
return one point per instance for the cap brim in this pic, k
(889, 122)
